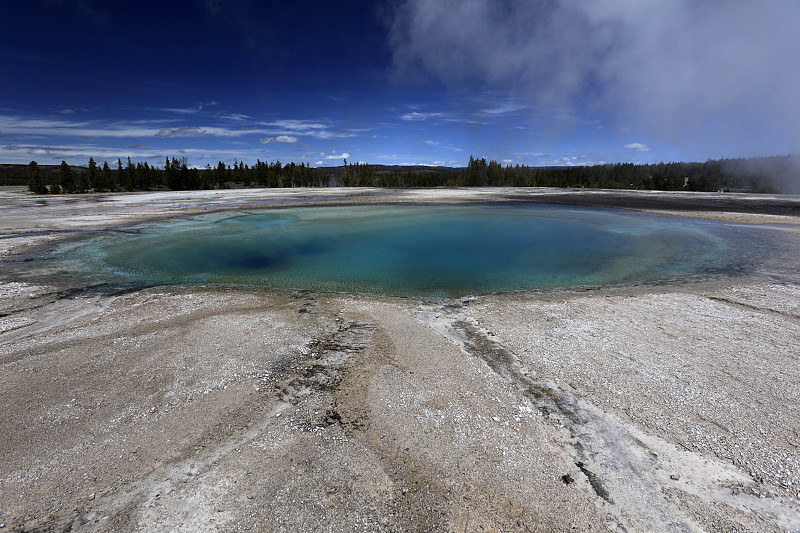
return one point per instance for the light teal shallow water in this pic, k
(408, 250)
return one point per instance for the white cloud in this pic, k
(296, 125)
(318, 130)
(17, 125)
(463, 120)
(639, 147)
(80, 153)
(502, 109)
(189, 110)
(431, 143)
(236, 116)
(182, 132)
(75, 154)
(415, 115)
(34, 130)
(66, 136)
(508, 162)
(280, 139)
(12, 125)
(318, 163)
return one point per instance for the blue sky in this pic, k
(532, 82)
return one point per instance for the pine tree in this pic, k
(65, 177)
(120, 178)
(221, 175)
(35, 184)
(83, 182)
(93, 175)
(105, 177)
(130, 176)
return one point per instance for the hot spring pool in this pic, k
(409, 250)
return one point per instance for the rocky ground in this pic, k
(663, 408)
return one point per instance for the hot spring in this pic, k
(408, 250)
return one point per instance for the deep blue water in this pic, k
(409, 250)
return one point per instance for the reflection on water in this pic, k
(409, 250)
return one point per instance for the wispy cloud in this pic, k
(235, 116)
(80, 153)
(327, 135)
(182, 132)
(466, 120)
(318, 130)
(16, 125)
(222, 125)
(280, 139)
(432, 143)
(502, 109)
(416, 115)
(190, 110)
(34, 137)
(17, 152)
(296, 125)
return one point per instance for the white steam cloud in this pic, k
(723, 73)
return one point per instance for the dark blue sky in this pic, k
(406, 82)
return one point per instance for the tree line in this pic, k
(763, 175)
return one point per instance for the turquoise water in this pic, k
(406, 250)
